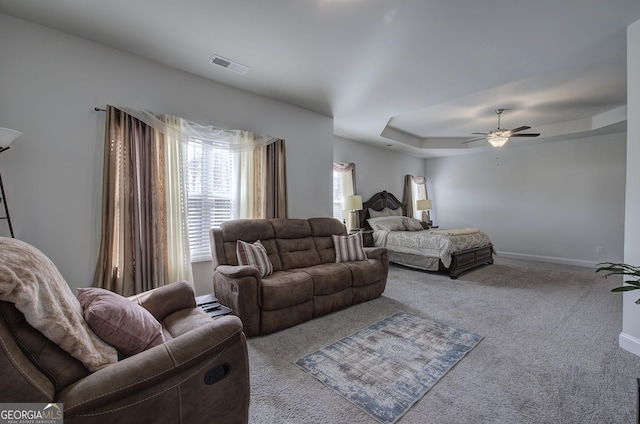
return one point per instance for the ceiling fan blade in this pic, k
(519, 129)
(474, 139)
(481, 133)
(525, 135)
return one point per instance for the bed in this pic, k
(409, 243)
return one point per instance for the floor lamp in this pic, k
(6, 137)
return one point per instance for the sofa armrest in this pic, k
(238, 271)
(240, 288)
(165, 300)
(376, 252)
(178, 366)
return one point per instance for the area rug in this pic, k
(387, 367)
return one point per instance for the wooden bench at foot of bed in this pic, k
(468, 259)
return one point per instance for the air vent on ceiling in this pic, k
(229, 65)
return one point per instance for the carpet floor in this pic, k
(549, 355)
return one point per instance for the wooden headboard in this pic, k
(378, 202)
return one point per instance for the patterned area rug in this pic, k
(387, 367)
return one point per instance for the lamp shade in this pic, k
(498, 141)
(423, 205)
(352, 203)
(7, 136)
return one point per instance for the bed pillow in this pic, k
(375, 223)
(392, 225)
(377, 214)
(349, 248)
(413, 224)
(385, 212)
(254, 255)
(118, 321)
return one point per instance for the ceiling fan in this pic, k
(499, 136)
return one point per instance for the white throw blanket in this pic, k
(456, 231)
(32, 282)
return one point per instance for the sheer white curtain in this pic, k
(191, 132)
(246, 195)
(177, 220)
(250, 195)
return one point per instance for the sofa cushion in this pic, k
(297, 253)
(349, 248)
(296, 247)
(120, 322)
(59, 367)
(283, 289)
(249, 230)
(254, 254)
(365, 272)
(329, 278)
(322, 230)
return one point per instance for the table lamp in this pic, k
(425, 206)
(351, 204)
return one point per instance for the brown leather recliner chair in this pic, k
(199, 375)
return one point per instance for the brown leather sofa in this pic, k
(200, 374)
(307, 281)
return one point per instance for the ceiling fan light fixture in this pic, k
(498, 141)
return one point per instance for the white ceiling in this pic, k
(418, 75)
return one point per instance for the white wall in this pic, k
(630, 336)
(377, 168)
(553, 202)
(49, 84)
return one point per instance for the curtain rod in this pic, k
(97, 109)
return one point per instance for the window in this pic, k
(223, 184)
(210, 184)
(337, 195)
(344, 184)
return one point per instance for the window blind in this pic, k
(209, 190)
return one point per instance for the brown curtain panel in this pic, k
(133, 249)
(271, 181)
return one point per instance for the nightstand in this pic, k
(367, 237)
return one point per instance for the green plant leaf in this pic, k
(625, 288)
(611, 268)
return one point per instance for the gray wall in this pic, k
(377, 168)
(50, 83)
(554, 202)
(630, 335)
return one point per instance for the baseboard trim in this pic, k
(549, 259)
(629, 343)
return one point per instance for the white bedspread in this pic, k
(430, 243)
